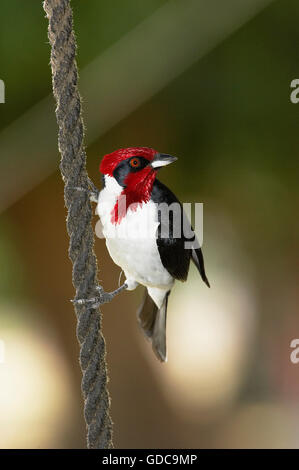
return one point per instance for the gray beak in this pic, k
(162, 159)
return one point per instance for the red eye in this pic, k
(135, 162)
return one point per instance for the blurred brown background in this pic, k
(216, 94)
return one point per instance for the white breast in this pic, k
(132, 242)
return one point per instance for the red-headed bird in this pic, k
(129, 206)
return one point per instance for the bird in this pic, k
(141, 237)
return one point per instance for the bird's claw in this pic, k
(92, 303)
(92, 191)
(102, 297)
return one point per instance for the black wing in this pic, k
(174, 255)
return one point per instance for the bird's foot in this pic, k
(102, 297)
(92, 191)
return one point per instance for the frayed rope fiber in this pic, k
(79, 214)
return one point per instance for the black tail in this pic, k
(153, 323)
(197, 258)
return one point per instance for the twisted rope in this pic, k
(81, 252)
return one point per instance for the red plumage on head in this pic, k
(111, 160)
(138, 185)
(137, 192)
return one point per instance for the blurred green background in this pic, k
(221, 103)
